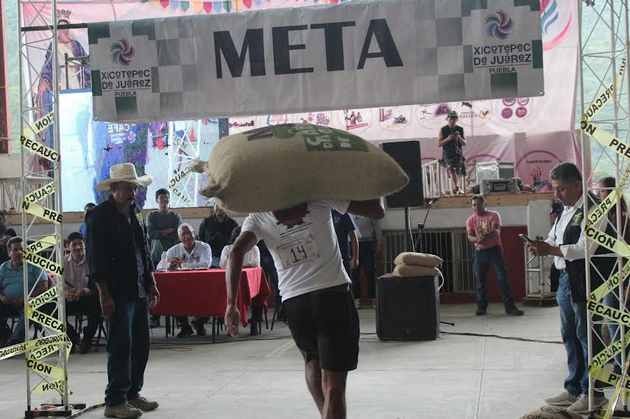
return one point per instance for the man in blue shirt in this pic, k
(12, 290)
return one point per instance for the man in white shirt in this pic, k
(566, 242)
(251, 258)
(315, 289)
(189, 254)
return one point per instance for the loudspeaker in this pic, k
(407, 155)
(407, 308)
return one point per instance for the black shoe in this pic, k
(201, 331)
(253, 329)
(514, 312)
(85, 345)
(185, 332)
(480, 312)
(154, 323)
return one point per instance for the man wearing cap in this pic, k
(120, 265)
(451, 139)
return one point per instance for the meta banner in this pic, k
(349, 55)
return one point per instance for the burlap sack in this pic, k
(415, 270)
(281, 166)
(551, 412)
(422, 259)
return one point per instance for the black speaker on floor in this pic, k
(407, 308)
(407, 155)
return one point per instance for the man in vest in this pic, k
(566, 243)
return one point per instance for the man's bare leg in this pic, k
(334, 389)
(454, 181)
(314, 380)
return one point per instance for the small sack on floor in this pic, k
(415, 270)
(421, 259)
(280, 166)
(551, 412)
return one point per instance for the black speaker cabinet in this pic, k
(407, 155)
(407, 308)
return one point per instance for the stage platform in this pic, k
(465, 377)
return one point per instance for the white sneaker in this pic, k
(581, 405)
(122, 411)
(563, 399)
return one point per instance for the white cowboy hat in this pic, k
(124, 172)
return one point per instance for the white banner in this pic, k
(350, 55)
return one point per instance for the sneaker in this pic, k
(514, 312)
(581, 405)
(122, 411)
(154, 323)
(480, 312)
(563, 399)
(143, 404)
(185, 332)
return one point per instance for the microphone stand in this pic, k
(417, 243)
(421, 226)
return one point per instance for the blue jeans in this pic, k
(127, 349)
(483, 259)
(573, 326)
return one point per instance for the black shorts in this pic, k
(325, 325)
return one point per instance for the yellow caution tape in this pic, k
(43, 212)
(40, 193)
(49, 386)
(611, 283)
(43, 244)
(46, 264)
(39, 125)
(182, 197)
(607, 241)
(60, 339)
(45, 320)
(607, 94)
(40, 149)
(602, 208)
(605, 138)
(43, 298)
(626, 175)
(609, 352)
(603, 310)
(44, 368)
(180, 176)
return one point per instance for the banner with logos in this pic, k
(373, 53)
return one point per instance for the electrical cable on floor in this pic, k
(502, 337)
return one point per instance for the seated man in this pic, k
(81, 296)
(12, 290)
(251, 259)
(188, 254)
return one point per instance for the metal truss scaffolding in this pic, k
(603, 115)
(46, 371)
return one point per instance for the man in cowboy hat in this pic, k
(120, 265)
(451, 139)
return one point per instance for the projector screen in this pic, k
(160, 149)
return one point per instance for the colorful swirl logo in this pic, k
(122, 52)
(499, 25)
(549, 14)
(556, 18)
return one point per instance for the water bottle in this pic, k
(164, 261)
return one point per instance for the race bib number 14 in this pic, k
(298, 251)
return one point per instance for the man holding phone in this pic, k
(483, 229)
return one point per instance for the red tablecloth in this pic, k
(204, 293)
